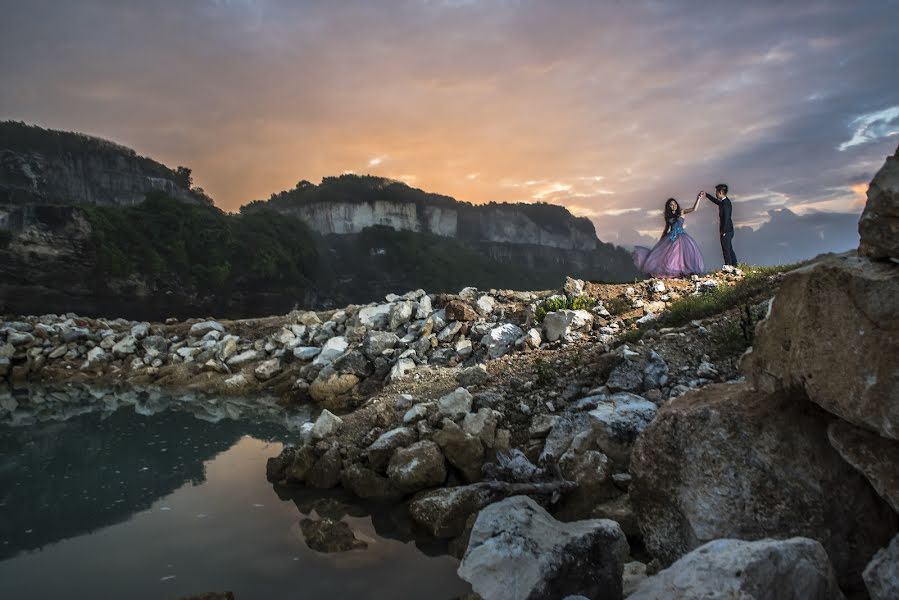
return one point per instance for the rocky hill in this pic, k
(44, 166)
(547, 238)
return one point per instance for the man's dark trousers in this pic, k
(727, 248)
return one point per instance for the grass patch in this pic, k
(563, 303)
(756, 285)
(546, 372)
(617, 305)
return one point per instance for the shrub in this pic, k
(563, 303)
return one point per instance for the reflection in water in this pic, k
(123, 505)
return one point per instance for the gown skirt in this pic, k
(675, 255)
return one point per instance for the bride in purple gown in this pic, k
(676, 254)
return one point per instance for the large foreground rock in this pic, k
(882, 573)
(879, 225)
(833, 332)
(876, 457)
(793, 569)
(517, 551)
(728, 462)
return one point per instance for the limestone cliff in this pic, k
(350, 203)
(40, 166)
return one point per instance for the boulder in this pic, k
(517, 551)
(354, 362)
(573, 287)
(481, 425)
(381, 450)
(458, 310)
(331, 349)
(124, 347)
(400, 313)
(400, 368)
(499, 340)
(291, 465)
(463, 451)
(367, 484)
(238, 360)
(374, 317)
(791, 569)
(328, 535)
(726, 461)
(835, 317)
(456, 404)
(376, 342)
(200, 329)
(882, 573)
(485, 304)
(330, 388)
(306, 353)
(417, 467)
(327, 424)
(875, 457)
(879, 226)
(325, 473)
(618, 421)
(424, 309)
(267, 369)
(471, 376)
(444, 512)
(555, 324)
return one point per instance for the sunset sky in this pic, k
(607, 107)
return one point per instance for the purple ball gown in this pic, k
(675, 255)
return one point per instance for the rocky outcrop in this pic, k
(517, 551)
(833, 334)
(39, 166)
(726, 461)
(793, 569)
(879, 224)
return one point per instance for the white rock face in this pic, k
(485, 305)
(331, 350)
(518, 551)
(501, 339)
(204, 327)
(764, 570)
(375, 317)
(455, 404)
(124, 347)
(267, 369)
(424, 308)
(241, 359)
(306, 352)
(618, 421)
(400, 368)
(326, 424)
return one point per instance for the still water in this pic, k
(126, 505)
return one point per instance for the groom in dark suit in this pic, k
(725, 224)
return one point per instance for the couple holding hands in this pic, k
(676, 253)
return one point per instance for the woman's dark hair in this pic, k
(672, 215)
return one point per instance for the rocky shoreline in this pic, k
(558, 454)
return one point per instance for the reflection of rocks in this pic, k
(773, 569)
(518, 551)
(725, 461)
(327, 535)
(96, 452)
(211, 596)
(833, 332)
